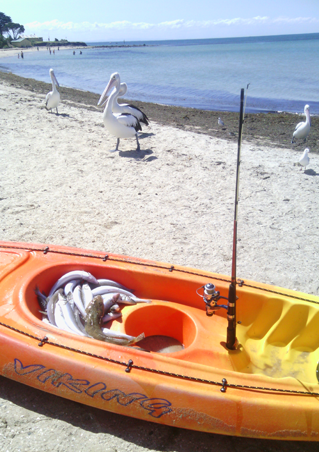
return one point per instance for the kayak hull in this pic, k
(266, 388)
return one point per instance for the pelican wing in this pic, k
(299, 125)
(129, 120)
(141, 116)
(47, 99)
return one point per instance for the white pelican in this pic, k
(127, 108)
(302, 128)
(52, 99)
(121, 125)
(304, 159)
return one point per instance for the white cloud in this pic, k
(296, 20)
(177, 28)
(179, 23)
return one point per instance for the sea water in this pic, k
(282, 71)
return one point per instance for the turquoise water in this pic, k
(283, 71)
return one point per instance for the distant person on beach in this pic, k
(21, 54)
(73, 52)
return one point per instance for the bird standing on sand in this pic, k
(52, 99)
(220, 122)
(302, 128)
(304, 159)
(123, 125)
(128, 108)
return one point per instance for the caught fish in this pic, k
(52, 306)
(109, 300)
(117, 334)
(124, 299)
(101, 290)
(68, 314)
(77, 274)
(78, 319)
(109, 289)
(42, 298)
(77, 298)
(87, 295)
(110, 282)
(69, 287)
(58, 316)
(94, 314)
(81, 304)
(111, 316)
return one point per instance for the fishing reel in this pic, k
(211, 298)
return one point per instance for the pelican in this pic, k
(304, 159)
(123, 125)
(302, 128)
(127, 108)
(52, 99)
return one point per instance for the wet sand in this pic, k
(173, 201)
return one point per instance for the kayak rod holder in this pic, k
(211, 298)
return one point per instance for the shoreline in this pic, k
(173, 202)
(266, 129)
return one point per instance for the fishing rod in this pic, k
(231, 311)
(211, 296)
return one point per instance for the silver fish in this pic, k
(58, 317)
(87, 295)
(109, 300)
(124, 299)
(52, 305)
(78, 317)
(110, 282)
(68, 315)
(110, 289)
(77, 298)
(111, 316)
(69, 287)
(77, 274)
(130, 339)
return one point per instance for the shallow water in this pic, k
(282, 72)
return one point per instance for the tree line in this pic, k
(9, 30)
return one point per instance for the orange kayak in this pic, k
(182, 374)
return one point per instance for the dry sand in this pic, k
(173, 201)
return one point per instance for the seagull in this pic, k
(302, 128)
(127, 108)
(304, 159)
(220, 122)
(123, 125)
(52, 99)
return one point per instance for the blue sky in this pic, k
(143, 20)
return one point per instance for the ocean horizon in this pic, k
(282, 71)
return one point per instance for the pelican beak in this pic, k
(55, 79)
(106, 92)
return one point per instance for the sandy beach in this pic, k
(174, 202)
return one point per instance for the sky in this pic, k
(147, 20)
